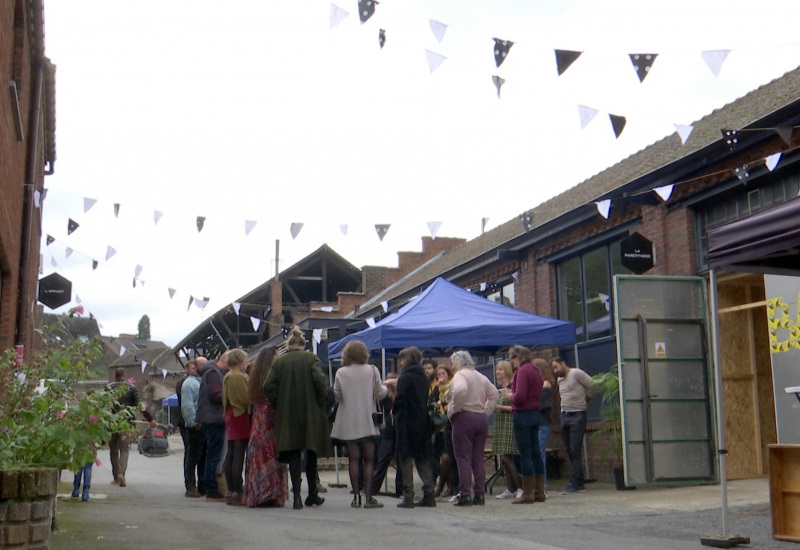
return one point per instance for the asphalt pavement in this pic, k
(151, 512)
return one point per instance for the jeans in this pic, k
(215, 439)
(469, 438)
(85, 472)
(573, 426)
(195, 459)
(544, 436)
(526, 432)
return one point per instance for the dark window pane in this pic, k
(570, 305)
(598, 293)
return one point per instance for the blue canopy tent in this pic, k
(169, 403)
(447, 316)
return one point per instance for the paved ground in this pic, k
(152, 512)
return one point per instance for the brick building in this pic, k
(27, 154)
(564, 267)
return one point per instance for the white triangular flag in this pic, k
(248, 226)
(236, 307)
(37, 198)
(772, 161)
(77, 299)
(164, 373)
(604, 207)
(256, 323)
(317, 335)
(664, 192)
(137, 271)
(122, 350)
(385, 306)
(201, 303)
(326, 309)
(337, 15)
(370, 322)
(684, 131)
(714, 59)
(438, 29)
(157, 216)
(516, 275)
(171, 293)
(484, 221)
(483, 287)
(295, 229)
(68, 252)
(53, 261)
(144, 366)
(434, 60)
(88, 203)
(110, 252)
(604, 298)
(433, 227)
(586, 114)
(343, 229)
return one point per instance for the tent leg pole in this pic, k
(723, 540)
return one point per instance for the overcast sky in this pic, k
(252, 110)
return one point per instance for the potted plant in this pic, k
(611, 421)
(47, 423)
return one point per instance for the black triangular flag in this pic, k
(501, 48)
(382, 37)
(94, 265)
(116, 209)
(72, 225)
(565, 58)
(642, 63)
(134, 282)
(618, 123)
(527, 220)
(742, 173)
(49, 240)
(382, 230)
(201, 220)
(366, 8)
(191, 300)
(731, 138)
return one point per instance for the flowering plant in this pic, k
(46, 420)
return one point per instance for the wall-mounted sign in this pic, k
(637, 253)
(55, 291)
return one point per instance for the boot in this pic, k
(298, 501)
(191, 491)
(538, 488)
(439, 487)
(527, 488)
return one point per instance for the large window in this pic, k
(500, 291)
(584, 290)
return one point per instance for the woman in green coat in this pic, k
(296, 388)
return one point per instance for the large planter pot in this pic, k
(619, 480)
(27, 507)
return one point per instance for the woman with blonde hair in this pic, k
(471, 399)
(265, 475)
(545, 410)
(504, 445)
(297, 390)
(236, 407)
(357, 387)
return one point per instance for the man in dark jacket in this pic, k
(120, 444)
(412, 428)
(210, 415)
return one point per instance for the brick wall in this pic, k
(27, 507)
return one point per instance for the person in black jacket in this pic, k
(120, 443)
(412, 428)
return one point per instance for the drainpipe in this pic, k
(24, 304)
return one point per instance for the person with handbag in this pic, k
(358, 390)
(471, 399)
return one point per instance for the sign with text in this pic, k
(637, 253)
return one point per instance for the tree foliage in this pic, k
(144, 328)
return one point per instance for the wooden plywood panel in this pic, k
(742, 446)
(784, 491)
(766, 397)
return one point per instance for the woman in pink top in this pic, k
(526, 392)
(471, 399)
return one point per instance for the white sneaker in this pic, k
(504, 495)
(520, 493)
(454, 498)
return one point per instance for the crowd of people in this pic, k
(277, 415)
